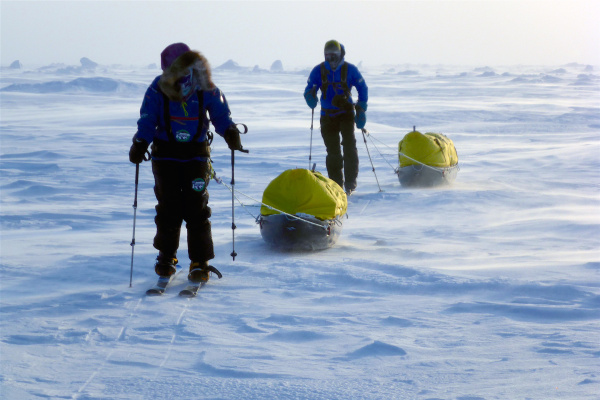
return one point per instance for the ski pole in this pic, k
(312, 118)
(372, 166)
(233, 227)
(233, 253)
(137, 176)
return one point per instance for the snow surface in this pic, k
(486, 289)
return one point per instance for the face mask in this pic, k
(186, 83)
(333, 59)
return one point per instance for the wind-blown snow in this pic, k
(487, 289)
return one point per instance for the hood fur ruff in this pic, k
(179, 68)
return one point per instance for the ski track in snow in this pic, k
(487, 289)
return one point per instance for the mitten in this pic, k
(361, 115)
(138, 149)
(232, 137)
(310, 95)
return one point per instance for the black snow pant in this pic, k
(182, 195)
(341, 168)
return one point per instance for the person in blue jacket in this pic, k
(335, 78)
(173, 119)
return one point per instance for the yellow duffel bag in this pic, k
(306, 192)
(433, 149)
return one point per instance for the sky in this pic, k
(480, 32)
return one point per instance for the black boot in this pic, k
(165, 264)
(199, 271)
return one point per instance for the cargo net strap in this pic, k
(257, 218)
(397, 170)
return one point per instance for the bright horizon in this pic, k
(484, 32)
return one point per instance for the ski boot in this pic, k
(349, 190)
(199, 271)
(165, 264)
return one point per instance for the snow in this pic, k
(486, 289)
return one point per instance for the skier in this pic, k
(173, 118)
(335, 78)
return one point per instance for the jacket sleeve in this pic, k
(357, 80)
(218, 110)
(149, 114)
(314, 79)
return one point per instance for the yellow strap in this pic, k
(184, 105)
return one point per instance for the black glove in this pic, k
(232, 137)
(138, 149)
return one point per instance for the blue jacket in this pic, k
(185, 121)
(354, 79)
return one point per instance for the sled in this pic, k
(426, 160)
(299, 233)
(426, 176)
(302, 211)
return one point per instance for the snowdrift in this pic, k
(426, 160)
(90, 85)
(302, 210)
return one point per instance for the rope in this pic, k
(365, 132)
(376, 148)
(437, 169)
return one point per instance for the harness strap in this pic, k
(167, 117)
(201, 114)
(332, 113)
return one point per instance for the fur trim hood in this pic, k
(179, 68)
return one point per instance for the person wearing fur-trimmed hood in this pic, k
(335, 78)
(173, 119)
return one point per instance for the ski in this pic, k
(161, 284)
(194, 285)
(192, 289)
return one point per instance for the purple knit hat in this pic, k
(170, 54)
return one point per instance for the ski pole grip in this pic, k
(245, 128)
(244, 132)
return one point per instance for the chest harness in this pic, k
(185, 147)
(343, 84)
(167, 118)
(339, 100)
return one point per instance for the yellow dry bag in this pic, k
(433, 149)
(303, 191)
